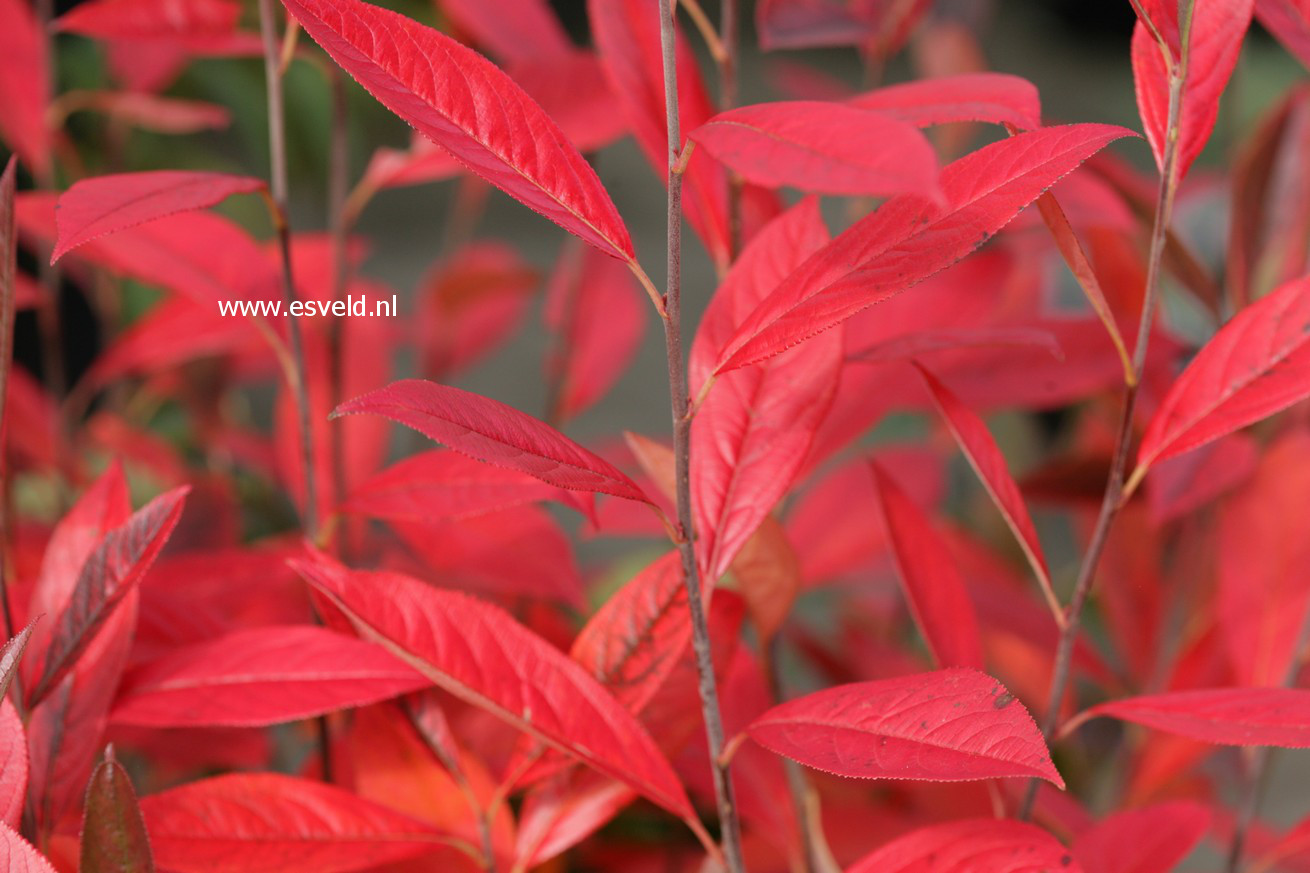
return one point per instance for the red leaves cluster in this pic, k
(173, 637)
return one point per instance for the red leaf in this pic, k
(171, 21)
(479, 653)
(18, 856)
(1184, 484)
(1160, 836)
(471, 303)
(1218, 28)
(261, 676)
(598, 315)
(109, 574)
(565, 811)
(514, 30)
(114, 838)
(949, 726)
(634, 641)
(487, 121)
(200, 255)
(270, 823)
(985, 457)
(931, 580)
(97, 207)
(1256, 365)
(753, 432)
(490, 431)
(627, 37)
(768, 576)
(159, 114)
(440, 485)
(828, 148)
(1262, 548)
(969, 845)
(1289, 20)
(909, 239)
(520, 551)
(24, 85)
(997, 98)
(879, 26)
(13, 765)
(1226, 716)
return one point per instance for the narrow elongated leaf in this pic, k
(1161, 837)
(1260, 554)
(110, 573)
(270, 823)
(998, 98)
(948, 726)
(24, 85)
(152, 112)
(490, 431)
(11, 653)
(479, 653)
(627, 37)
(97, 207)
(827, 148)
(440, 485)
(515, 31)
(1289, 21)
(13, 765)
(1218, 28)
(261, 676)
(975, 440)
(598, 316)
(971, 846)
(932, 583)
(1256, 365)
(909, 239)
(17, 855)
(462, 101)
(114, 838)
(753, 432)
(1226, 716)
(174, 21)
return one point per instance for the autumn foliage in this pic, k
(979, 540)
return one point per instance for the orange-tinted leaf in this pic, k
(478, 652)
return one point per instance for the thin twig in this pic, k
(709, 695)
(1114, 486)
(277, 138)
(278, 175)
(8, 300)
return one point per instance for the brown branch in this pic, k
(709, 695)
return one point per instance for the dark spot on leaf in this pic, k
(1003, 701)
